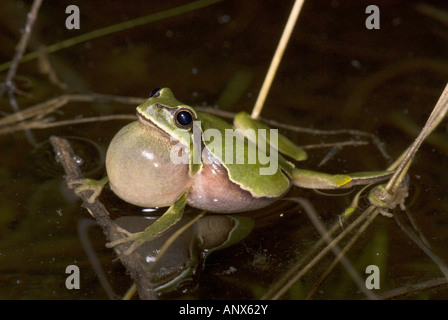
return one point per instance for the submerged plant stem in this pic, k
(436, 116)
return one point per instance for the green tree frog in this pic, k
(174, 155)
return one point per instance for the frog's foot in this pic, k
(96, 186)
(138, 239)
(384, 200)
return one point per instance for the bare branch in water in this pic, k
(133, 261)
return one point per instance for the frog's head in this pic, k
(167, 113)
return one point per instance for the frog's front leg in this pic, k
(96, 186)
(319, 180)
(167, 220)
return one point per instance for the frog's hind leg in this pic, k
(285, 146)
(319, 180)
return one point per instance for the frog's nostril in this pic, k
(155, 93)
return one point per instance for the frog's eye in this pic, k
(155, 93)
(184, 118)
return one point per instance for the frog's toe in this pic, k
(115, 243)
(88, 184)
(137, 238)
(81, 183)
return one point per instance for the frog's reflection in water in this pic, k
(178, 268)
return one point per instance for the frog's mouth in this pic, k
(148, 122)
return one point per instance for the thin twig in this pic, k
(277, 58)
(376, 141)
(340, 256)
(39, 110)
(321, 254)
(8, 84)
(334, 144)
(320, 227)
(20, 49)
(47, 123)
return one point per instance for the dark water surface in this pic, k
(336, 74)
